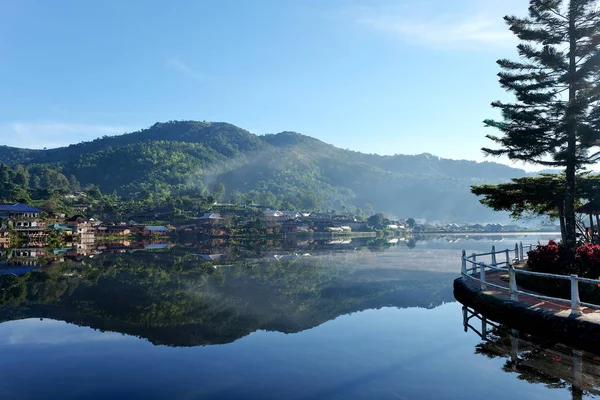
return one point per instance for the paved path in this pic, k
(562, 309)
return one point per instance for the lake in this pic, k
(360, 319)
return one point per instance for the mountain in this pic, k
(284, 169)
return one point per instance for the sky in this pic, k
(377, 76)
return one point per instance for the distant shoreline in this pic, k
(512, 233)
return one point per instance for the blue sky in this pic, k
(404, 76)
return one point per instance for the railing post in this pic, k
(512, 283)
(463, 268)
(521, 252)
(507, 257)
(474, 263)
(517, 252)
(494, 256)
(575, 302)
(482, 276)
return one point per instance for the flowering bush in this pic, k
(547, 259)
(587, 260)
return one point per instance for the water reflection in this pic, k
(216, 293)
(534, 360)
(348, 319)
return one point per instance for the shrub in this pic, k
(547, 259)
(587, 260)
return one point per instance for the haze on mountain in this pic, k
(192, 157)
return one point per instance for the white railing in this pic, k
(474, 268)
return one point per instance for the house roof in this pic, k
(210, 216)
(77, 218)
(19, 208)
(593, 207)
(157, 228)
(116, 227)
(272, 212)
(155, 246)
(61, 227)
(210, 257)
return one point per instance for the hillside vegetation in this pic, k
(287, 169)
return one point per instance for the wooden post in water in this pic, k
(575, 301)
(577, 392)
(483, 327)
(514, 348)
(494, 256)
(521, 251)
(465, 318)
(517, 252)
(512, 283)
(482, 276)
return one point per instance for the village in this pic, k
(34, 227)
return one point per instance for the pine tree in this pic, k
(555, 120)
(541, 195)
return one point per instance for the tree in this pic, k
(94, 191)
(410, 222)
(74, 184)
(21, 176)
(378, 221)
(368, 209)
(237, 197)
(539, 195)
(555, 120)
(218, 191)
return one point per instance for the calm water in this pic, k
(288, 320)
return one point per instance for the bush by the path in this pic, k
(549, 259)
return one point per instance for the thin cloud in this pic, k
(38, 135)
(471, 30)
(180, 66)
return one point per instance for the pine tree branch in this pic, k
(553, 11)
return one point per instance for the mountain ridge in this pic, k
(287, 168)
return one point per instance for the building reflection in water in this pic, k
(535, 360)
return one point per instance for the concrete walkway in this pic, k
(500, 278)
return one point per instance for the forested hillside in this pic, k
(190, 158)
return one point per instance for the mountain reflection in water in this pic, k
(358, 319)
(216, 293)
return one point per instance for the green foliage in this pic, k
(378, 221)
(555, 85)
(218, 161)
(555, 120)
(542, 195)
